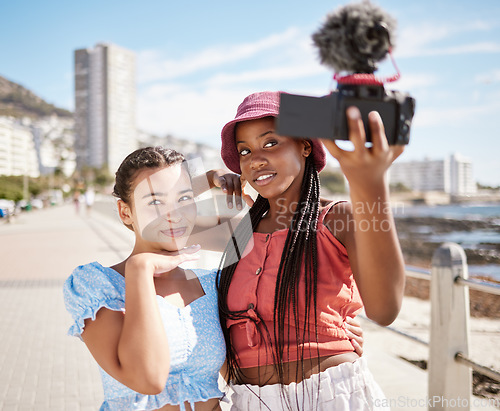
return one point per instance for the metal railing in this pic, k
(449, 367)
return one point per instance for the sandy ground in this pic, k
(414, 319)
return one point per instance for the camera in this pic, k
(353, 39)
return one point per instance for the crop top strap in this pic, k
(325, 210)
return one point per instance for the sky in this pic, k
(197, 60)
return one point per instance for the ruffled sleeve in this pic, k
(89, 288)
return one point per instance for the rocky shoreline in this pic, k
(418, 248)
(415, 235)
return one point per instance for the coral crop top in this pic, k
(252, 289)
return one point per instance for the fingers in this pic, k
(352, 325)
(333, 148)
(356, 341)
(226, 186)
(182, 258)
(221, 182)
(231, 185)
(238, 194)
(357, 134)
(190, 250)
(355, 334)
(169, 260)
(353, 322)
(357, 348)
(356, 128)
(379, 139)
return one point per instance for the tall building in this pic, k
(105, 106)
(452, 175)
(461, 175)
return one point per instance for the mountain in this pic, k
(17, 101)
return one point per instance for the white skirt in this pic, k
(348, 386)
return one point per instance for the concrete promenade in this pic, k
(43, 369)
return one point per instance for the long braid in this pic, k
(227, 267)
(300, 250)
(299, 256)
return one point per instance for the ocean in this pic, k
(469, 211)
(475, 239)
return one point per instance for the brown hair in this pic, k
(148, 157)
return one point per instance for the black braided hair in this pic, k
(299, 258)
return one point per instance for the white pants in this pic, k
(348, 386)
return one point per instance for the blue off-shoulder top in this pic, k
(196, 343)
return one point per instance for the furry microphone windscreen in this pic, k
(355, 37)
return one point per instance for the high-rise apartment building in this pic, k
(105, 106)
(452, 175)
(461, 176)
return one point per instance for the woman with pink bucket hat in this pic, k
(312, 264)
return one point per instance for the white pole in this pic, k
(450, 383)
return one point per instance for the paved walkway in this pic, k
(40, 367)
(43, 369)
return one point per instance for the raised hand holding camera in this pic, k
(353, 39)
(365, 167)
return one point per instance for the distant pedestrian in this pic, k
(89, 199)
(77, 200)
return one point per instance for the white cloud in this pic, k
(481, 47)
(305, 69)
(187, 113)
(153, 66)
(426, 39)
(198, 108)
(415, 81)
(490, 77)
(456, 116)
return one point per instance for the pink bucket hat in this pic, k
(259, 105)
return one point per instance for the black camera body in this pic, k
(325, 117)
(352, 39)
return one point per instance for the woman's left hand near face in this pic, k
(230, 184)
